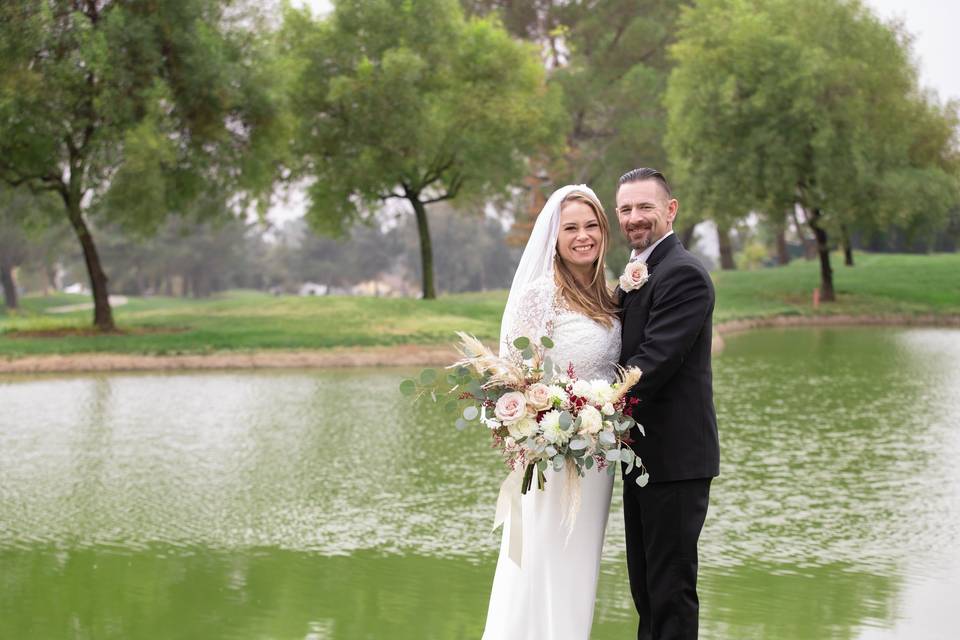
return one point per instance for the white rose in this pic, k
(590, 420)
(511, 407)
(550, 425)
(608, 409)
(634, 276)
(522, 428)
(583, 389)
(538, 396)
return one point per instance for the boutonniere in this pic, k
(634, 276)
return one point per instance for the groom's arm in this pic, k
(678, 310)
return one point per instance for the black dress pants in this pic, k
(663, 522)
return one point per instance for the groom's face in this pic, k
(645, 212)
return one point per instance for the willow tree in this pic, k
(775, 104)
(129, 110)
(408, 100)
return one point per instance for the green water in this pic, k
(317, 505)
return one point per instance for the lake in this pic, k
(321, 505)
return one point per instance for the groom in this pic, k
(667, 334)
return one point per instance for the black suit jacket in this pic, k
(667, 333)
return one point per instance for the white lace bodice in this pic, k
(591, 347)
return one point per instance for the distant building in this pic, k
(313, 289)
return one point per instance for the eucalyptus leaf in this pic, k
(551, 450)
(588, 462)
(522, 342)
(542, 465)
(408, 387)
(548, 366)
(627, 455)
(643, 479)
(641, 430)
(461, 424)
(612, 454)
(428, 376)
(607, 438)
(546, 342)
(527, 354)
(558, 463)
(566, 420)
(471, 413)
(578, 444)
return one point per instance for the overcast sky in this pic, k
(933, 24)
(936, 45)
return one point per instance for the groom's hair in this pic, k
(645, 173)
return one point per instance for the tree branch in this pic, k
(451, 192)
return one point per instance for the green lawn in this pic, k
(245, 320)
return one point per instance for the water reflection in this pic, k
(317, 504)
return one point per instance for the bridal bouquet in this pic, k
(538, 416)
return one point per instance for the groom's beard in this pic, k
(646, 241)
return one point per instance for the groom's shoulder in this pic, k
(683, 266)
(683, 260)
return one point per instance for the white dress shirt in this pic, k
(643, 255)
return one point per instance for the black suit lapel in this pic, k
(658, 254)
(655, 257)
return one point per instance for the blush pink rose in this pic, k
(538, 396)
(634, 276)
(511, 407)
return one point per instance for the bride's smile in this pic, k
(580, 238)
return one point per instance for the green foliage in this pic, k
(409, 100)
(129, 111)
(775, 102)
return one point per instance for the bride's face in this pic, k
(580, 235)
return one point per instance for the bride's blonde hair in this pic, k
(595, 300)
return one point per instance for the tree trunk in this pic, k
(847, 247)
(686, 238)
(102, 313)
(826, 273)
(783, 255)
(9, 286)
(426, 250)
(726, 249)
(809, 245)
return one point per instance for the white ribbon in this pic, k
(509, 505)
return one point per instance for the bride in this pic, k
(546, 578)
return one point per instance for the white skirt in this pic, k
(551, 595)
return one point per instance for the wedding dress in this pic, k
(550, 594)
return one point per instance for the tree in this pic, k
(129, 110)
(12, 249)
(24, 217)
(410, 101)
(774, 104)
(610, 59)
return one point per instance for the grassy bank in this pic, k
(242, 320)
